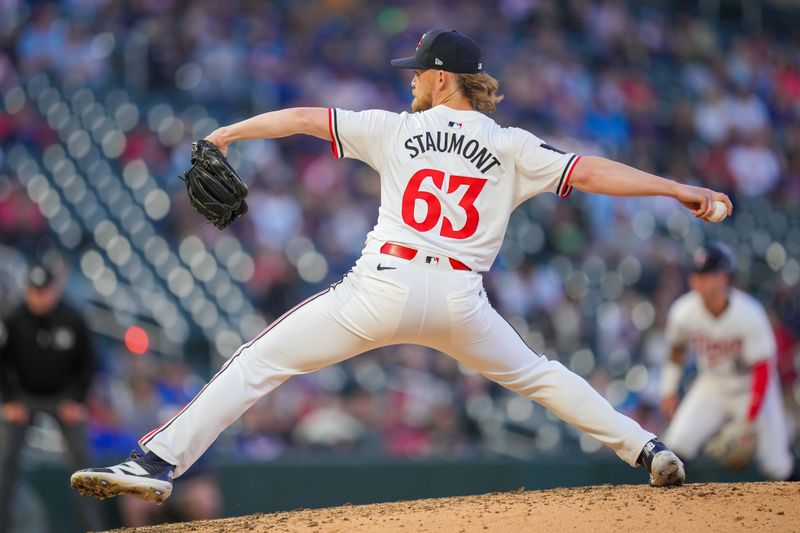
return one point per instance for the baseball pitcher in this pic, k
(450, 177)
(736, 388)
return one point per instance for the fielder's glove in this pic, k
(734, 445)
(215, 190)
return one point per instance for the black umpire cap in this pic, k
(39, 276)
(712, 257)
(444, 50)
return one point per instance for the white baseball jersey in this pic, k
(449, 181)
(449, 178)
(725, 345)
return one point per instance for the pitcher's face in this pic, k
(422, 90)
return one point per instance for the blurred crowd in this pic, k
(694, 96)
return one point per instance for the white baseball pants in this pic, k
(713, 401)
(403, 302)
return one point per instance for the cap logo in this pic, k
(700, 258)
(480, 66)
(420, 40)
(438, 61)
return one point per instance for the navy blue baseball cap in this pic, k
(712, 257)
(444, 50)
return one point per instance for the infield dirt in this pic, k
(693, 507)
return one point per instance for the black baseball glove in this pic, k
(215, 190)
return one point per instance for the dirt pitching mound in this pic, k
(613, 508)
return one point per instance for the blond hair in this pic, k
(481, 90)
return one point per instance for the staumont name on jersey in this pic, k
(446, 141)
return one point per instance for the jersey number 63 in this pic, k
(467, 203)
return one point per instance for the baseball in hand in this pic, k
(720, 212)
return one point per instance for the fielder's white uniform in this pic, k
(449, 181)
(727, 346)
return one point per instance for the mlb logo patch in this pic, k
(456, 125)
(432, 260)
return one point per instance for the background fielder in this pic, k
(730, 334)
(450, 176)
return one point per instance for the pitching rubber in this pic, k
(104, 485)
(666, 470)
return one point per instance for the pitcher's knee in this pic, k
(538, 375)
(264, 357)
(516, 378)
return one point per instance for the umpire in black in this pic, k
(47, 362)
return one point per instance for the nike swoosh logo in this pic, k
(386, 268)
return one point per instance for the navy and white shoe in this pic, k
(148, 477)
(664, 466)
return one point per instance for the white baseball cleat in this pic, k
(664, 466)
(146, 477)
